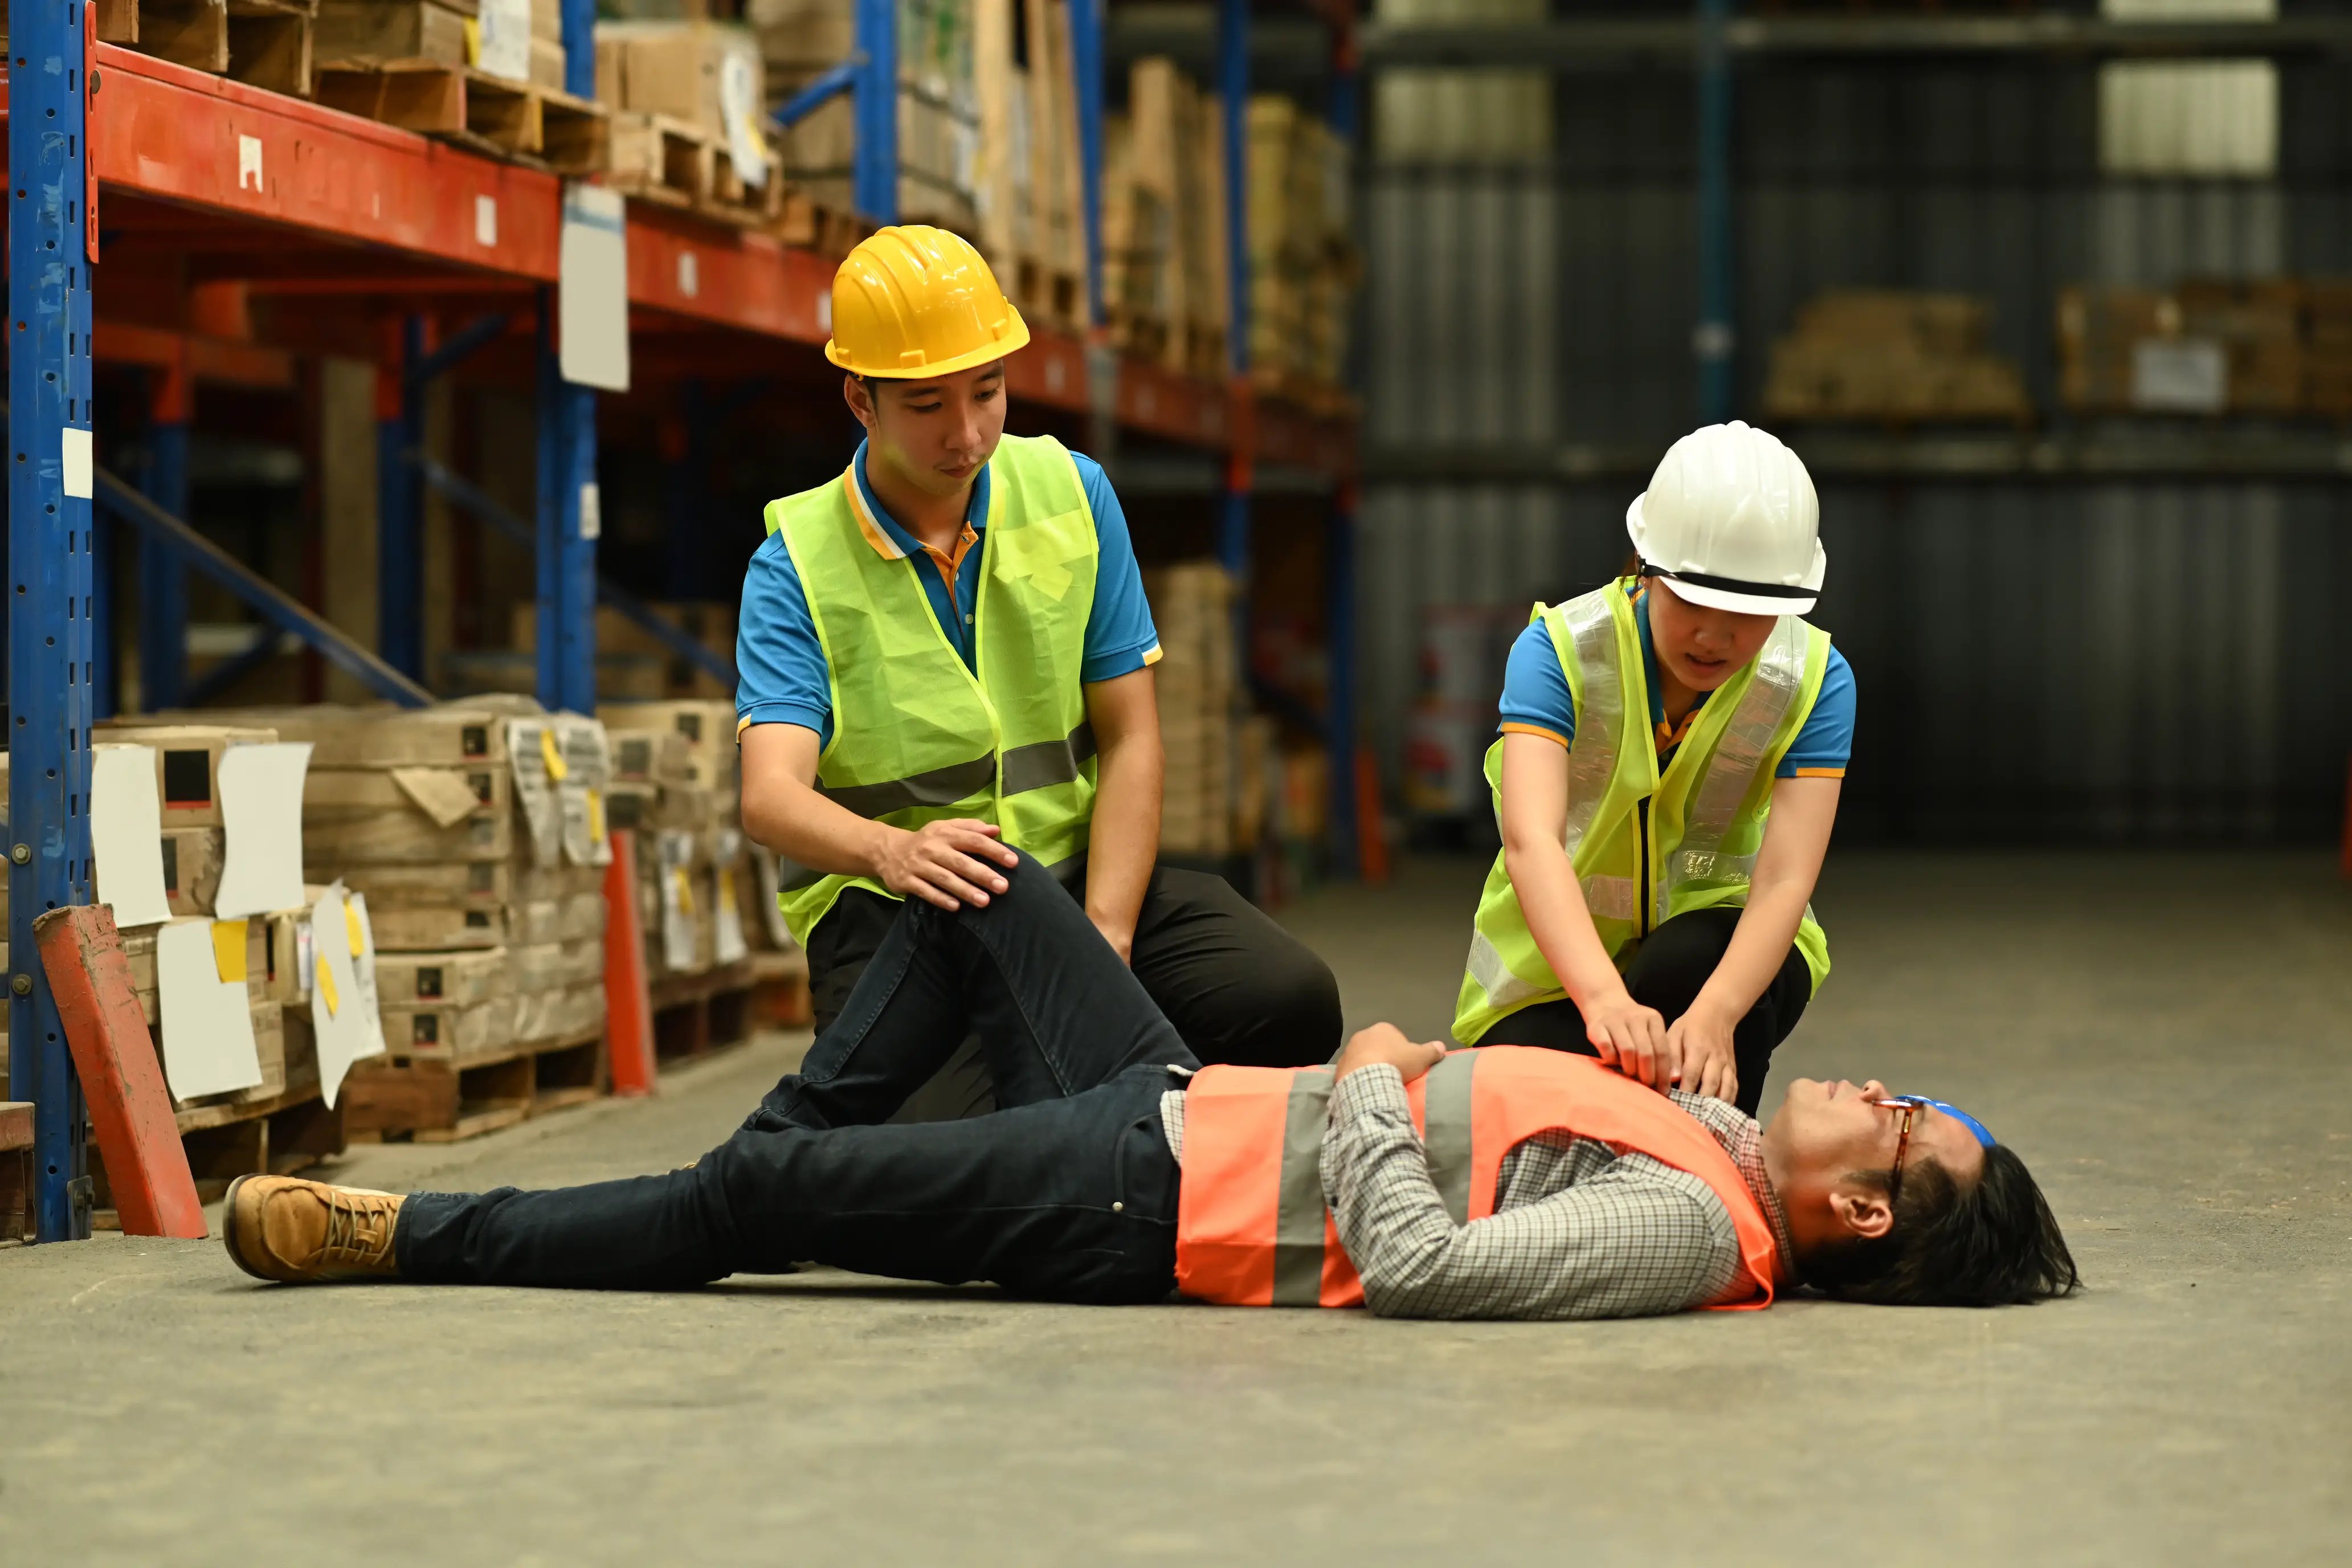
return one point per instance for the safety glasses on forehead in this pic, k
(1907, 1108)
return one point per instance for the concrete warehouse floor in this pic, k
(2167, 1040)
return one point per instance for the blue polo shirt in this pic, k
(781, 676)
(1536, 701)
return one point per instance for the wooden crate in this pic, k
(277, 1137)
(472, 108)
(655, 158)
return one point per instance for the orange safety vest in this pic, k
(1250, 1226)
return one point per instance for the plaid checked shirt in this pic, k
(1579, 1229)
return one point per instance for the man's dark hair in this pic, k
(1994, 1243)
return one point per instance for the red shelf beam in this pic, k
(237, 154)
(178, 135)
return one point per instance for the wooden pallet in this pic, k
(402, 1098)
(472, 108)
(15, 1172)
(695, 1014)
(264, 43)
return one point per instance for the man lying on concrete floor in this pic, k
(1546, 1186)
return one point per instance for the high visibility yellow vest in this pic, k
(1646, 848)
(917, 736)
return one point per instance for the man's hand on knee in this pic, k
(947, 864)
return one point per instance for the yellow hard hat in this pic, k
(914, 300)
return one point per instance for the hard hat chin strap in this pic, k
(1730, 584)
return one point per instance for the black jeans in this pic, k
(1067, 1194)
(1236, 986)
(1673, 964)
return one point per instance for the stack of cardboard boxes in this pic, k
(689, 101)
(677, 783)
(939, 107)
(1192, 604)
(1164, 264)
(187, 783)
(2208, 346)
(477, 833)
(1302, 256)
(1892, 355)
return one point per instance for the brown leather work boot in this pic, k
(284, 1228)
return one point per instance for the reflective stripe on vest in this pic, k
(1039, 765)
(1252, 1229)
(1753, 723)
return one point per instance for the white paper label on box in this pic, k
(486, 221)
(591, 511)
(78, 463)
(262, 809)
(592, 289)
(504, 34)
(2179, 375)
(740, 110)
(207, 1022)
(126, 835)
(248, 162)
(342, 1009)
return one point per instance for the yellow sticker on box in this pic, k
(354, 930)
(228, 951)
(596, 816)
(327, 988)
(684, 890)
(552, 755)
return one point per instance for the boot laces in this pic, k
(355, 1229)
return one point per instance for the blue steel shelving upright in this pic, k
(51, 653)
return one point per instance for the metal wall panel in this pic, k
(2111, 662)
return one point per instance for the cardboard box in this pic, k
(553, 966)
(187, 764)
(435, 928)
(389, 30)
(407, 837)
(707, 728)
(453, 736)
(650, 756)
(439, 1029)
(461, 884)
(680, 69)
(558, 882)
(336, 795)
(539, 922)
(459, 979)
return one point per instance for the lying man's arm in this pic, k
(1633, 1240)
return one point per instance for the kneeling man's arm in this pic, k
(1632, 1240)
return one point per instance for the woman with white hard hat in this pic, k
(1672, 748)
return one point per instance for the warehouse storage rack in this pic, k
(106, 143)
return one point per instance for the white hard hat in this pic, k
(1731, 521)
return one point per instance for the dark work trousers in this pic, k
(1236, 986)
(1068, 1194)
(1673, 964)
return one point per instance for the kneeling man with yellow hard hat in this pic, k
(945, 656)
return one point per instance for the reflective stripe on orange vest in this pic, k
(1252, 1229)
